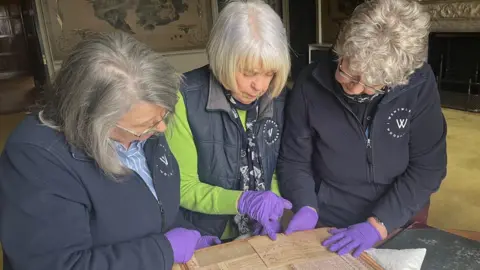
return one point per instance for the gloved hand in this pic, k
(207, 241)
(360, 237)
(262, 206)
(305, 219)
(183, 243)
(273, 227)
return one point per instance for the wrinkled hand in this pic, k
(207, 241)
(183, 243)
(358, 237)
(305, 219)
(263, 206)
(271, 229)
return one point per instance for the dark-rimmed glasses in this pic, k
(355, 81)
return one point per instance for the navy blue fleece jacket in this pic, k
(59, 211)
(330, 161)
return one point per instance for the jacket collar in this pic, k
(325, 75)
(78, 154)
(216, 99)
(82, 156)
(218, 102)
(417, 78)
(324, 71)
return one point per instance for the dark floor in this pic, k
(16, 94)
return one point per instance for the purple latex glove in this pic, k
(360, 237)
(273, 227)
(207, 241)
(183, 243)
(305, 219)
(263, 206)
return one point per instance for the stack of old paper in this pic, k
(301, 250)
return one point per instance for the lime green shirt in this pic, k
(195, 195)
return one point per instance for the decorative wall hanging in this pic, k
(164, 25)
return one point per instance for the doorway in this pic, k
(21, 69)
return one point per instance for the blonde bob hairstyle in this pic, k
(245, 34)
(385, 41)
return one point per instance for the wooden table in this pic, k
(446, 249)
(463, 233)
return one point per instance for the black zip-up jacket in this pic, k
(58, 210)
(328, 160)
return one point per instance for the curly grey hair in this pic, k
(385, 41)
(98, 83)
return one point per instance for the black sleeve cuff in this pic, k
(166, 251)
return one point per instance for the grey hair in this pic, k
(245, 33)
(98, 83)
(385, 41)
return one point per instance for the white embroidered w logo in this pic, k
(270, 132)
(164, 160)
(402, 123)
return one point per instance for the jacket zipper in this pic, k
(240, 141)
(159, 202)
(368, 141)
(162, 214)
(369, 135)
(371, 165)
(157, 199)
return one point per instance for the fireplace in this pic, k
(454, 52)
(455, 60)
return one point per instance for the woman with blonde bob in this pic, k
(229, 123)
(364, 139)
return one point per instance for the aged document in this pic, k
(299, 251)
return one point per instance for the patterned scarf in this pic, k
(251, 171)
(362, 98)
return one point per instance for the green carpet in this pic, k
(457, 204)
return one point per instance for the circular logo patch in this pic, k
(271, 132)
(398, 121)
(164, 165)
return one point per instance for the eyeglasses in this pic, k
(148, 131)
(355, 81)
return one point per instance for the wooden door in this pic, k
(13, 42)
(303, 32)
(38, 66)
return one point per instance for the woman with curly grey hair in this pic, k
(364, 140)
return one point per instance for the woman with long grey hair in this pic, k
(364, 140)
(229, 122)
(89, 182)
